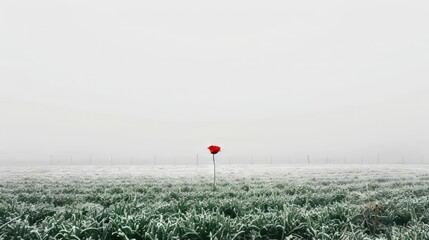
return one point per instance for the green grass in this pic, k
(310, 203)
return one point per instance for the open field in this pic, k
(250, 202)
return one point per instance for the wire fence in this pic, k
(205, 159)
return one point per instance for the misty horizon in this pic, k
(278, 80)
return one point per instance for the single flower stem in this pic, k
(214, 172)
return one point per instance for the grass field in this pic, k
(250, 202)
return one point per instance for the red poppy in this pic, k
(214, 149)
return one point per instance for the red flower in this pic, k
(214, 149)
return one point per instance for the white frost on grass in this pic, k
(289, 173)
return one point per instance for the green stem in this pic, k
(214, 172)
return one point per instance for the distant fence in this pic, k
(204, 159)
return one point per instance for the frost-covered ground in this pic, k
(250, 202)
(286, 172)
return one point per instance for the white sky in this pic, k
(259, 78)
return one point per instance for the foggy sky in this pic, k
(262, 79)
